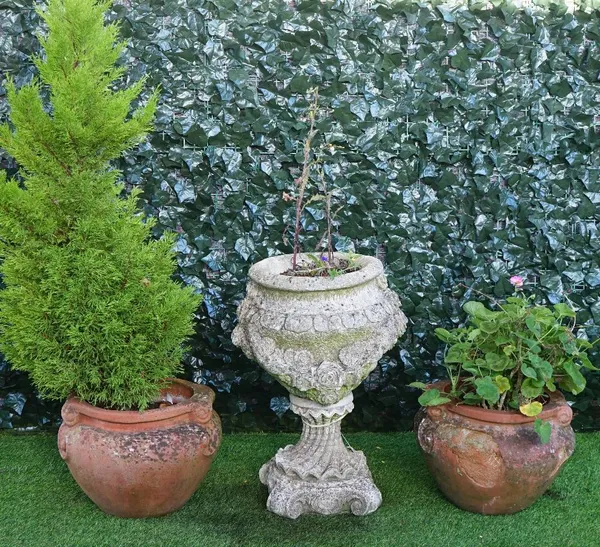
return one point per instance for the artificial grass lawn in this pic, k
(40, 504)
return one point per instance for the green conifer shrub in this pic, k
(89, 308)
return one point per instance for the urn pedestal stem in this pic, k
(320, 474)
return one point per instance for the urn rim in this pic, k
(268, 273)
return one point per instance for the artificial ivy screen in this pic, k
(462, 145)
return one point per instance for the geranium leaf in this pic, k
(432, 397)
(502, 382)
(532, 388)
(543, 429)
(531, 409)
(487, 389)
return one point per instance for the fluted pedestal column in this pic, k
(320, 474)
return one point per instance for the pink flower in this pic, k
(516, 281)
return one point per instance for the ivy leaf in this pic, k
(538, 56)
(490, 52)
(360, 108)
(543, 429)
(238, 76)
(279, 405)
(16, 401)
(531, 409)
(487, 389)
(461, 60)
(244, 246)
(418, 385)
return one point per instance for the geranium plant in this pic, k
(510, 357)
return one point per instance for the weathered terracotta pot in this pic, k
(141, 464)
(490, 461)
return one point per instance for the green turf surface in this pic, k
(41, 505)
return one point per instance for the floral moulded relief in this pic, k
(320, 337)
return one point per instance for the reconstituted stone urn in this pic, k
(492, 461)
(142, 464)
(320, 338)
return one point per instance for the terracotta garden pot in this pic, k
(141, 464)
(491, 461)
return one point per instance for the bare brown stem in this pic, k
(328, 217)
(302, 181)
(329, 242)
(519, 382)
(502, 399)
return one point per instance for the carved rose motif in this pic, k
(272, 321)
(358, 355)
(335, 323)
(299, 360)
(360, 320)
(318, 345)
(375, 313)
(301, 323)
(330, 375)
(320, 323)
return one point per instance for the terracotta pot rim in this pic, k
(552, 408)
(200, 394)
(268, 272)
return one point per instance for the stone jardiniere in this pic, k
(319, 337)
(142, 464)
(492, 461)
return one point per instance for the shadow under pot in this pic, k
(492, 461)
(142, 464)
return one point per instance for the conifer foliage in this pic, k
(89, 307)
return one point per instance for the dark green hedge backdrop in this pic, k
(464, 150)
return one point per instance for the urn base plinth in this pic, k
(320, 475)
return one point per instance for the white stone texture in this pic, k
(320, 337)
(319, 474)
